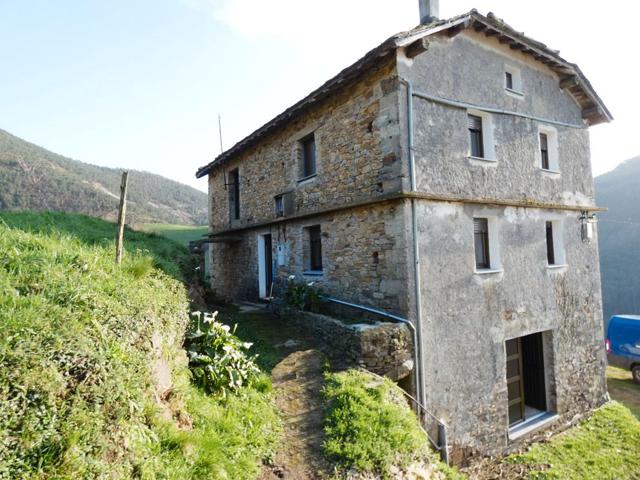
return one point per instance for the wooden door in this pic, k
(515, 386)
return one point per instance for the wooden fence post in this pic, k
(122, 210)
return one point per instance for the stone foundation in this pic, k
(383, 348)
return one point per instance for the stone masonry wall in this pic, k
(468, 317)
(382, 348)
(364, 254)
(357, 156)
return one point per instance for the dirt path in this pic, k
(297, 381)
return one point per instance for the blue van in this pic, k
(623, 343)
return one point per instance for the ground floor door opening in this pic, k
(526, 380)
(265, 265)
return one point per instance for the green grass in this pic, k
(623, 389)
(370, 427)
(182, 234)
(76, 382)
(605, 446)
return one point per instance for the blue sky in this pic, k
(140, 83)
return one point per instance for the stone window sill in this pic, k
(514, 93)
(481, 159)
(308, 178)
(548, 170)
(488, 271)
(313, 273)
(532, 425)
(557, 268)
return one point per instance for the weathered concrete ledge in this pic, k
(383, 348)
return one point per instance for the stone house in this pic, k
(445, 178)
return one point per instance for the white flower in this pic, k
(292, 277)
(310, 284)
(247, 344)
(196, 313)
(226, 328)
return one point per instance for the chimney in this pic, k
(429, 10)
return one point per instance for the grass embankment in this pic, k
(370, 427)
(605, 446)
(178, 233)
(76, 382)
(623, 389)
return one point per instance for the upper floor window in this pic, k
(233, 186)
(513, 80)
(480, 135)
(308, 156)
(481, 243)
(314, 245)
(509, 80)
(279, 203)
(556, 256)
(485, 243)
(548, 149)
(475, 136)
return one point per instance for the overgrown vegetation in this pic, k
(301, 295)
(605, 446)
(218, 359)
(77, 386)
(370, 427)
(36, 179)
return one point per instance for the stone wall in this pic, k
(357, 156)
(364, 253)
(381, 347)
(469, 316)
(470, 68)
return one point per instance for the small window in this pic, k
(234, 193)
(548, 149)
(481, 243)
(308, 156)
(544, 151)
(513, 80)
(509, 80)
(279, 203)
(315, 248)
(476, 136)
(551, 257)
(556, 256)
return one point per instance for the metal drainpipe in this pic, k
(442, 430)
(416, 248)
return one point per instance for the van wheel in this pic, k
(635, 373)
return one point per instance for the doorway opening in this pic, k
(527, 380)
(265, 265)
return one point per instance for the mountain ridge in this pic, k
(34, 178)
(619, 237)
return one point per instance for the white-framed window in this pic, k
(547, 156)
(480, 127)
(486, 245)
(556, 256)
(513, 80)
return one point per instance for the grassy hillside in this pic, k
(32, 178)
(179, 233)
(619, 237)
(85, 352)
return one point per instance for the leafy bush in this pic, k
(369, 425)
(301, 295)
(217, 357)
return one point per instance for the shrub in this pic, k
(301, 295)
(217, 357)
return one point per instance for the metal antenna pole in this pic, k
(220, 132)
